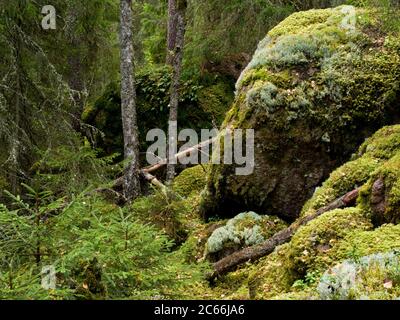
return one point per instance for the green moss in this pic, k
(192, 180)
(282, 79)
(384, 144)
(389, 174)
(370, 163)
(302, 22)
(374, 276)
(311, 247)
(272, 275)
(215, 99)
(306, 294)
(362, 243)
(168, 215)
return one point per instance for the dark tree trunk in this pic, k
(131, 184)
(75, 74)
(179, 24)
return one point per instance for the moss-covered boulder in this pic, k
(312, 247)
(381, 195)
(313, 92)
(244, 230)
(191, 181)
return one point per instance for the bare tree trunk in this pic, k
(177, 57)
(172, 30)
(131, 184)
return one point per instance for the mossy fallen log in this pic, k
(255, 252)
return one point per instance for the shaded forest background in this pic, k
(61, 140)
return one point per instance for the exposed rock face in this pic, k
(313, 92)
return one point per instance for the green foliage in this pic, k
(362, 243)
(309, 280)
(78, 164)
(163, 212)
(154, 31)
(98, 250)
(312, 246)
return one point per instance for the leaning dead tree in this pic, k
(255, 252)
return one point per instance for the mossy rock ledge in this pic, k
(313, 92)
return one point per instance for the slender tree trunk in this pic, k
(172, 30)
(179, 23)
(128, 104)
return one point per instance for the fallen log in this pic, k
(153, 180)
(187, 152)
(146, 172)
(145, 175)
(180, 155)
(255, 252)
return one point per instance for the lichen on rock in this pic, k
(370, 277)
(245, 230)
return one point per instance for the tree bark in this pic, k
(131, 184)
(172, 30)
(255, 252)
(178, 23)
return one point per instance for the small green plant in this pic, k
(310, 279)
